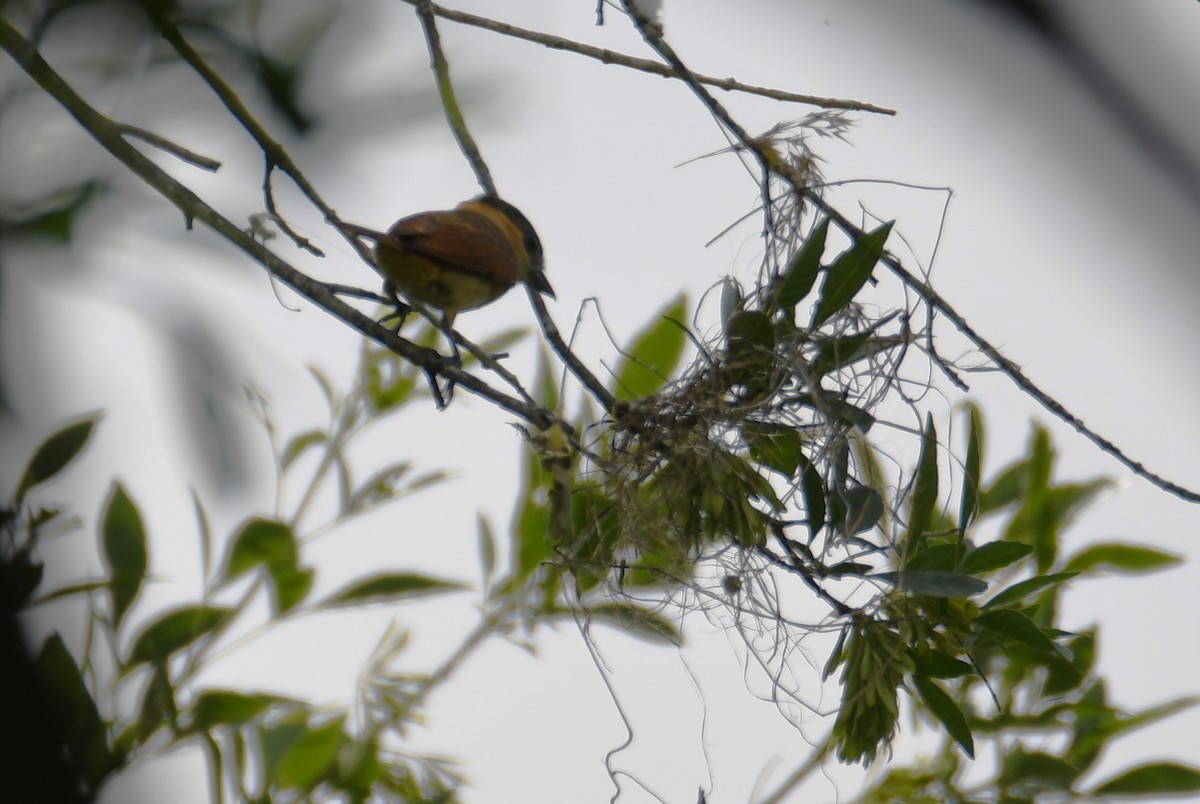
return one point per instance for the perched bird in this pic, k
(461, 258)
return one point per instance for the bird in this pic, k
(459, 259)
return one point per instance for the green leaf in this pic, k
(1126, 559)
(158, 704)
(1022, 589)
(801, 273)
(750, 337)
(934, 583)
(969, 505)
(935, 664)
(925, 488)
(390, 588)
(76, 712)
(230, 708)
(1154, 779)
(848, 273)
(863, 509)
(262, 541)
(775, 446)
(309, 759)
(812, 487)
(175, 630)
(487, 547)
(993, 556)
(290, 585)
(1042, 770)
(637, 621)
(123, 539)
(299, 444)
(942, 707)
(53, 455)
(1008, 625)
(646, 366)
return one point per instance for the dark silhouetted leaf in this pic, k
(801, 273)
(941, 706)
(933, 583)
(1019, 591)
(123, 540)
(75, 710)
(173, 631)
(848, 273)
(53, 454)
(389, 588)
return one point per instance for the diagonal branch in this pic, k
(771, 162)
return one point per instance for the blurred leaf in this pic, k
(206, 540)
(487, 548)
(941, 706)
(935, 664)
(835, 409)
(1124, 558)
(1006, 489)
(380, 487)
(750, 348)
(123, 540)
(72, 705)
(774, 446)
(53, 454)
(158, 704)
(969, 505)
(848, 273)
(863, 509)
(309, 759)
(645, 367)
(262, 541)
(299, 444)
(1154, 779)
(638, 622)
(925, 489)
(1042, 770)
(20, 576)
(71, 590)
(390, 588)
(1019, 591)
(55, 215)
(993, 556)
(290, 585)
(230, 708)
(173, 631)
(933, 583)
(800, 275)
(1008, 626)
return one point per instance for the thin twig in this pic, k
(454, 115)
(178, 151)
(646, 65)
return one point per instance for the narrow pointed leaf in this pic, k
(1155, 779)
(941, 706)
(847, 275)
(53, 455)
(123, 540)
(801, 273)
(390, 588)
(174, 631)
